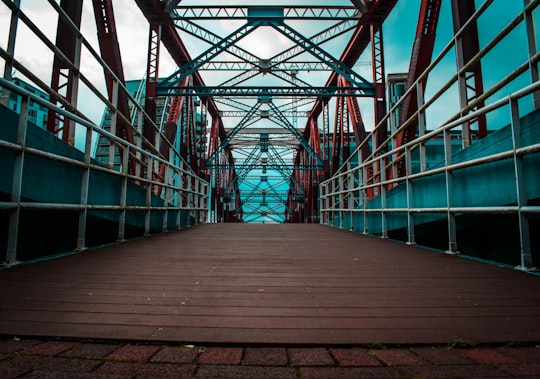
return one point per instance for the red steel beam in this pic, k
(377, 10)
(420, 59)
(110, 52)
(65, 41)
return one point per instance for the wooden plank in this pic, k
(270, 284)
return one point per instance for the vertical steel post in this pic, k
(341, 186)
(166, 192)
(85, 183)
(149, 184)
(384, 224)
(140, 123)
(365, 192)
(333, 202)
(449, 179)
(521, 189)
(123, 195)
(350, 200)
(8, 68)
(322, 199)
(17, 183)
(408, 182)
(114, 123)
(179, 175)
(395, 156)
(421, 125)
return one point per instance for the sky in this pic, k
(132, 30)
(399, 30)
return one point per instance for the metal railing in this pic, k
(183, 194)
(364, 195)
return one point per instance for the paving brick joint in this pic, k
(40, 358)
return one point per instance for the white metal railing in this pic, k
(183, 193)
(363, 193)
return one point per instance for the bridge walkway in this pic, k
(269, 284)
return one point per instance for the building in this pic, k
(37, 114)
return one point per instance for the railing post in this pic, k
(365, 198)
(521, 190)
(350, 200)
(16, 186)
(149, 185)
(178, 190)
(409, 186)
(140, 124)
(341, 200)
(332, 205)
(449, 179)
(123, 195)
(114, 124)
(166, 192)
(421, 126)
(85, 183)
(384, 225)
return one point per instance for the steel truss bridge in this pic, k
(273, 113)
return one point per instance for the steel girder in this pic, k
(66, 41)
(376, 10)
(155, 14)
(264, 65)
(373, 14)
(243, 12)
(363, 86)
(420, 59)
(279, 118)
(247, 92)
(373, 11)
(249, 117)
(110, 52)
(471, 85)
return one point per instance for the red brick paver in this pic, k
(90, 351)
(354, 357)
(49, 348)
(87, 360)
(487, 356)
(350, 373)
(261, 356)
(133, 353)
(398, 357)
(217, 355)
(169, 354)
(441, 356)
(310, 357)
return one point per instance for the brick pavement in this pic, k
(27, 358)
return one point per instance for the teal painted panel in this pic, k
(50, 181)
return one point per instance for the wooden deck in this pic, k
(269, 284)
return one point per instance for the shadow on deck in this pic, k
(269, 284)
